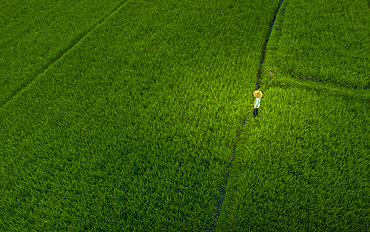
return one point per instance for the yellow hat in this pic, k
(257, 94)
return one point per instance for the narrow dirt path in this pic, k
(223, 188)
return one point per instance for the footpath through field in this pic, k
(132, 127)
(306, 167)
(223, 188)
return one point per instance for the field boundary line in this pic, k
(334, 86)
(63, 51)
(226, 177)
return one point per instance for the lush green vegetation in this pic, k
(133, 127)
(301, 169)
(35, 33)
(323, 40)
(305, 167)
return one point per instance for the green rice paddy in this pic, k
(123, 116)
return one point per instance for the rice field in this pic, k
(137, 115)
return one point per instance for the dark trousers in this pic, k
(255, 112)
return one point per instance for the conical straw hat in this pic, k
(257, 94)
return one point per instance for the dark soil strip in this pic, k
(264, 46)
(223, 188)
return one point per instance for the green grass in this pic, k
(132, 128)
(321, 40)
(35, 33)
(305, 166)
(301, 170)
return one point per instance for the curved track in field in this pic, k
(223, 188)
(258, 83)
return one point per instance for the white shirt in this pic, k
(257, 103)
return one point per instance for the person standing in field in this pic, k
(258, 95)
